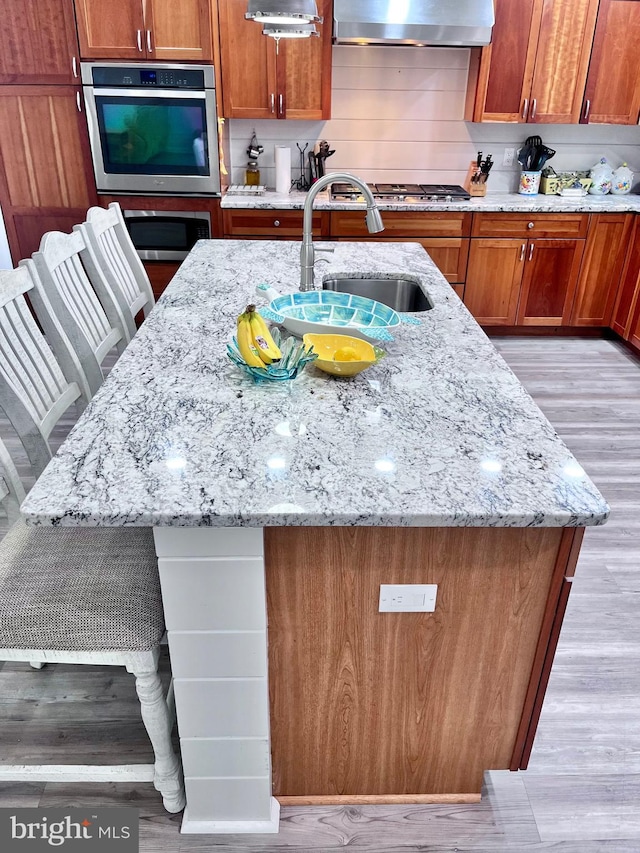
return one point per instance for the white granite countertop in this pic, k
(439, 433)
(492, 202)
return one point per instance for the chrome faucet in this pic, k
(307, 252)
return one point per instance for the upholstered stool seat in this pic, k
(65, 588)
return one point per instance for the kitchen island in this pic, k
(296, 503)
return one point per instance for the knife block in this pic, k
(470, 187)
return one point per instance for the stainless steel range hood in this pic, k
(440, 23)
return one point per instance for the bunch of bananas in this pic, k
(255, 343)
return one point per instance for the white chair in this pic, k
(35, 388)
(11, 490)
(87, 309)
(106, 233)
(74, 595)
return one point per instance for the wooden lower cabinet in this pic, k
(493, 281)
(549, 282)
(160, 274)
(384, 705)
(271, 224)
(604, 259)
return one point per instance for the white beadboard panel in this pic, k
(219, 654)
(208, 541)
(222, 708)
(411, 156)
(376, 129)
(208, 595)
(226, 757)
(393, 79)
(228, 799)
(397, 105)
(372, 56)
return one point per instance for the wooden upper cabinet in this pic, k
(536, 66)
(179, 31)
(248, 63)
(38, 42)
(145, 29)
(265, 79)
(110, 29)
(612, 94)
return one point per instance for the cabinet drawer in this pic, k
(530, 225)
(400, 223)
(272, 223)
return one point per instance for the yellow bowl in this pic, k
(326, 346)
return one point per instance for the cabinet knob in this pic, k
(276, 223)
(530, 224)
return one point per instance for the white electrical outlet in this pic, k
(407, 598)
(509, 156)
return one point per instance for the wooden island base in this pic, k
(370, 707)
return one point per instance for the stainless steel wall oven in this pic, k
(153, 127)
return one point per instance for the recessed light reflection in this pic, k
(385, 466)
(573, 469)
(491, 465)
(175, 463)
(276, 463)
(288, 430)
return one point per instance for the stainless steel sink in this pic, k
(400, 293)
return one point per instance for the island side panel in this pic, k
(383, 704)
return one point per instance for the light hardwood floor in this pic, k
(581, 793)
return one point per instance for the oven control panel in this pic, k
(147, 78)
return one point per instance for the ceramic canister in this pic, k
(529, 183)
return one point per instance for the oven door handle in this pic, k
(181, 94)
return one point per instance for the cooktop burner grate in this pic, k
(401, 192)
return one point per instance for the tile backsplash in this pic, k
(397, 115)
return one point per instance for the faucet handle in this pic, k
(320, 249)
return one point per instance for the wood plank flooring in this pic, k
(582, 789)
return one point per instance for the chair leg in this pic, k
(156, 718)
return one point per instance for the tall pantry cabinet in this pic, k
(46, 181)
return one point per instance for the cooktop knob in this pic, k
(448, 198)
(400, 198)
(434, 198)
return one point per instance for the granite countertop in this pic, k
(492, 202)
(439, 433)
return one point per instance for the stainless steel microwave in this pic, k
(166, 235)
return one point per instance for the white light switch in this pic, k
(407, 598)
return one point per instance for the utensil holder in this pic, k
(529, 183)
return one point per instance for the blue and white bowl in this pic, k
(325, 311)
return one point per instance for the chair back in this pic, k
(106, 233)
(87, 310)
(35, 388)
(12, 492)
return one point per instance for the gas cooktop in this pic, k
(402, 192)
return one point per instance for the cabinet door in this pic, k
(562, 59)
(607, 243)
(178, 31)
(500, 75)
(111, 29)
(612, 94)
(493, 280)
(45, 166)
(633, 335)
(306, 90)
(549, 282)
(248, 61)
(629, 289)
(38, 42)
